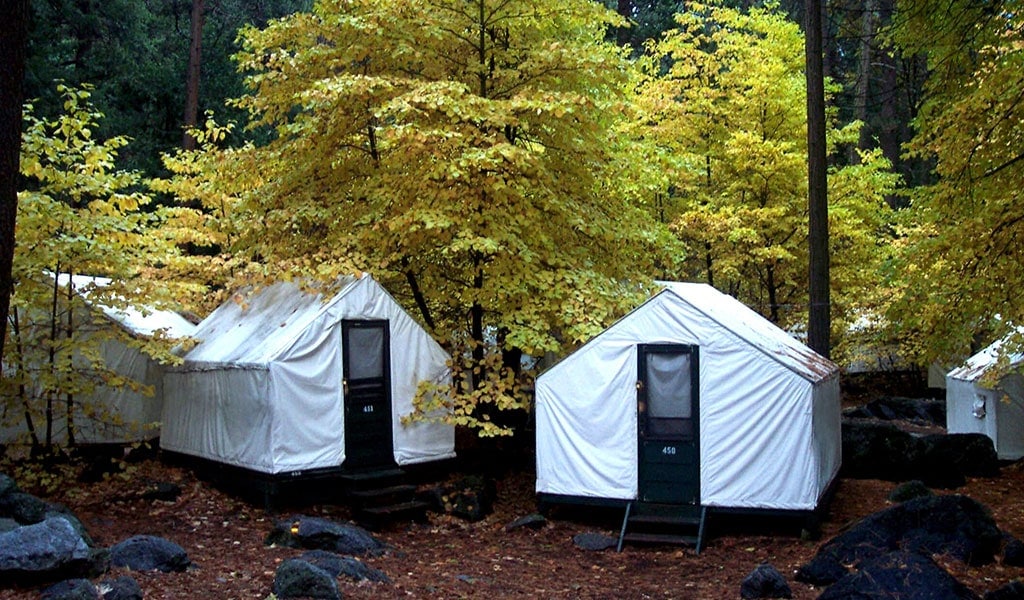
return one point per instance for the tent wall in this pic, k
(107, 415)
(198, 422)
(122, 415)
(294, 340)
(827, 432)
(970, 409)
(997, 413)
(756, 416)
(1010, 415)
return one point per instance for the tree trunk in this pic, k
(829, 48)
(773, 294)
(863, 90)
(421, 300)
(30, 425)
(625, 10)
(819, 317)
(13, 38)
(192, 79)
(69, 332)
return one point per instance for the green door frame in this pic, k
(668, 461)
(367, 403)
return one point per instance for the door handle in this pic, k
(640, 385)
(344, 386)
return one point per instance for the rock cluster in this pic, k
(42, 543)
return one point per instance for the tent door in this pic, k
(367, 387)
(667, 410)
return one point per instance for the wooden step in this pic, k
(379, 516)
(661, 538)
(392, 509)
(663, 524)
(376, 493)
(372, 475)
(669, 520)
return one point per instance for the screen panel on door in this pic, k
(365, 346)
(669, 461)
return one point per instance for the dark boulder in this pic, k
(299, 579)
(879, 451)
(470, 497)
(23, 508)
(47, 551)
(823, 569)
(338, 565)
(532, 521)
(314, 533)
(920, 411)
(7, 485)
(909, 490)
(593, 541)
(71, 589)
(149, 553)
(900, 574)
(162, 490)
(873, 450)
(121, 588)
(952, 524)
(1011, 591)
(59, 510)
(765, 581)
(1013, 553)
(970, 454)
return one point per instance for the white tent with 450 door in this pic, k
(690, 399)
(294, 378)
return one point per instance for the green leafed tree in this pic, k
(958, 269)
(460, 151)
(78, 214)
(724, 102)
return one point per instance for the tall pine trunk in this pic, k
(13, 39)
(192, 79)
(819, 316)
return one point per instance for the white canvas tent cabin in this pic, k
(690, 402)
(107, 415)
(288, 383)
(998, 412)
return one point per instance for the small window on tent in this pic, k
(978, 409)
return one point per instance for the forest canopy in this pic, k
(520, 174)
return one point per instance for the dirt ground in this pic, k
(451, 558)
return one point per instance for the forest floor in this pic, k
(452, 558)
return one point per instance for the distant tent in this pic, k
(691, 399)
(286, 380)
(998, 412)
(108, 414)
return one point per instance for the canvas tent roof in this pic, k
(757, 331)
(139, 320)
(975, 367)
(256, 330)
(769, 406)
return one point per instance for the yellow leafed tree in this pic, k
(78, 214)
(724, 102)
(458, 150)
